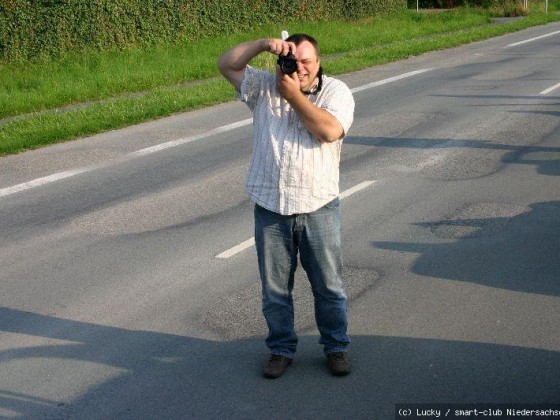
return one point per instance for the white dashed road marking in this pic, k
(550, 89)
(251, 241)
(153, 149)
(515, 44)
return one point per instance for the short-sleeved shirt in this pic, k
(291, 171)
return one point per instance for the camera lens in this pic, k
(287, 63)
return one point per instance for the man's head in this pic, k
(308, 58)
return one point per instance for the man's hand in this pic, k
(288, 85)
(233, 62)
(279, 47)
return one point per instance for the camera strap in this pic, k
(315, 89)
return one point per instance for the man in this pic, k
(299, 122)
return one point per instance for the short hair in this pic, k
(299, 38)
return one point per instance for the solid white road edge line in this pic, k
(153, 149)
(251, 241)
(515, 44)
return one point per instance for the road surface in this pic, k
(129, 286)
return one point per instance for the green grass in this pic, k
(117, 89)
(95, 76)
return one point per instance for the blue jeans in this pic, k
(316, 236)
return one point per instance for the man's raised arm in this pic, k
(233, 62)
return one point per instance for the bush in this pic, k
(446, 4)
(31, 29)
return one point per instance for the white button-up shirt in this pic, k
(291, 171)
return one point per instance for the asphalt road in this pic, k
(114, 303)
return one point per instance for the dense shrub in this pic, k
(507, 8)
(45, 28)
(488, 4)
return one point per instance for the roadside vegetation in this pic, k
(50, 101)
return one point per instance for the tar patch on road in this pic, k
(476, 220)
(239, 316)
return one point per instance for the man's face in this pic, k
(308, 65)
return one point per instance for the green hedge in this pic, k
(31, 29)
(426, 4)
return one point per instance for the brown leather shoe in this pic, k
(339, 363)
(276, 366)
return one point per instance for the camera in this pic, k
(287, 63)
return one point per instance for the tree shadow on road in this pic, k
(515, 253)
(159, 375)
(545, 159)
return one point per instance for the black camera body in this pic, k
(287, 63)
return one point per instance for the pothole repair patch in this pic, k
(240, 316)
(476, 220)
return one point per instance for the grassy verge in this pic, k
(123, 88)
(94, 76)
